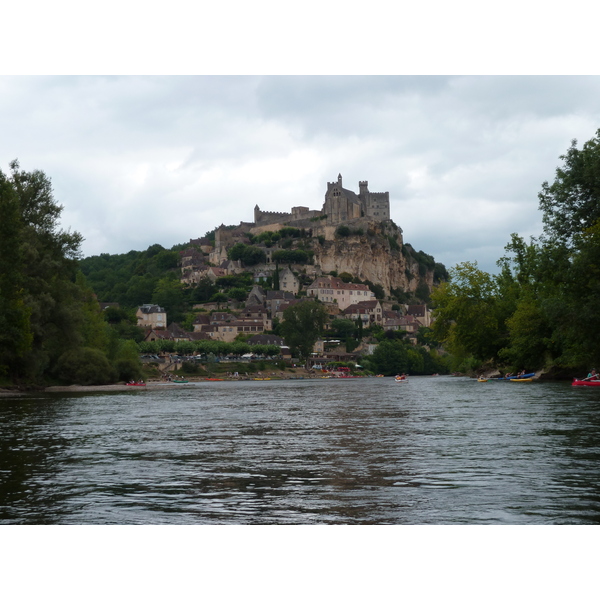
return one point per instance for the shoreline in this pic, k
(154, 384)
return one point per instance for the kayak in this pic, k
(592, 383)
(525, 377)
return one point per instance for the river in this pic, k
(436, 450)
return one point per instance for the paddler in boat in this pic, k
(591, 375)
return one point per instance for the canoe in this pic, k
(525, 377)
(179, 381)
(136, 384)
(593, 383)
(481, 380)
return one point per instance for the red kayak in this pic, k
(589, 382)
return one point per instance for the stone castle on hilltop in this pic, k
(340, 205)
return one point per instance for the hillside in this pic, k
(234, 257)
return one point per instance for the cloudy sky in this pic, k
(138, 160)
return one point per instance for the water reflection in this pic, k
(438, 450)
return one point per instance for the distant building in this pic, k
(151, 316)
(340, 205)
(421, 313)
(333, 289)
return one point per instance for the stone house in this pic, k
(256, 296)
(333, 289)
(275, 298)
(369, 311)
(421, 313)
(288, 282)
(151, 316)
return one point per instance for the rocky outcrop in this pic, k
(371, 257)
(367, 249)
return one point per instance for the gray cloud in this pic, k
(143, 160)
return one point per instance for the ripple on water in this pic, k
(437, 450)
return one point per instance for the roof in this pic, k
(417, 310)
(266, 338)
(362, 306)
(151, 308)
(336, 283)
(279, 295)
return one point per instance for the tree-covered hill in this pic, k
(130, 279)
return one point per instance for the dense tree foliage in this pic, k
(541, 311)
(302, 325)
(571, 204)
(48, 313)
(394, 356)
(130, 279)
(249, 255)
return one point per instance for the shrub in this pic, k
(128, 369)
(85, 366)
(190, 368)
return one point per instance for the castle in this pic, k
(340, 205)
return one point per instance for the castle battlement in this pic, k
(341, 205)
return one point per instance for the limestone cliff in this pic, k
(377, 255)
(367, 249)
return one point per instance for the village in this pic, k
(252, 320)
(346, 226)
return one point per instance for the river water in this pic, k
(436, 450)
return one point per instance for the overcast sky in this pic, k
(162, 159)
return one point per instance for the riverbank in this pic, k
(160, 384)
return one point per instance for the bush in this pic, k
(85, 366)
(128, 369)
(190, 368)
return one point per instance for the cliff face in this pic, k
(371, 257)
(367, 249)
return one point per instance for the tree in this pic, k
(572, 202)
(468, 316)
(239, 294)
(169, 294)
(343, 327)
(204, 290)
(15, 333)
(219, 298)
(86, 366)
(48, 267)
(302, 326)
(249, 255)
